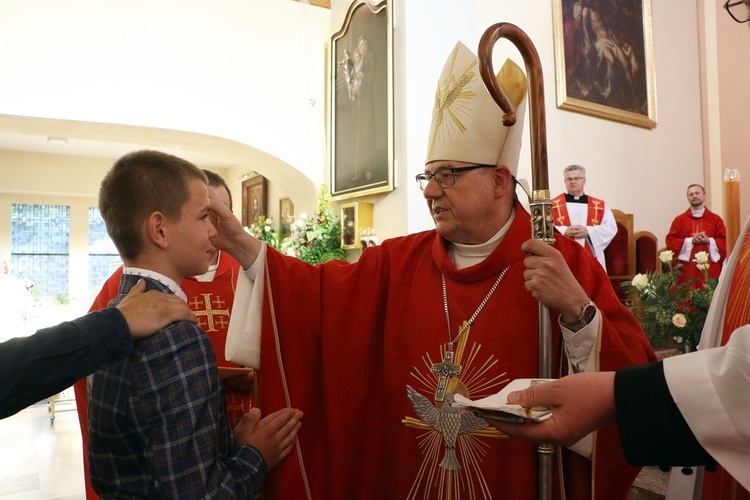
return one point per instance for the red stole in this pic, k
(720, 485)
(560, 211)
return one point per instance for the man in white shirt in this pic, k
(582, 217)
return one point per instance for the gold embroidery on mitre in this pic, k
(467, 124)
(451, 447)
(451, 98)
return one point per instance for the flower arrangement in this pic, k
(315, 239)
(263, 230)
(669, 311)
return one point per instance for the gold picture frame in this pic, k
(604, 59)
(361, 102)
(253, 199)
(354, 217)
(286, 218)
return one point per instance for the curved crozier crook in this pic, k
(540, 206)
(537, 115)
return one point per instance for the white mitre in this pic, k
(467, 124)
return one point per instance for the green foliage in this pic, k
(263, 230)
(668, 311)
(316, 239)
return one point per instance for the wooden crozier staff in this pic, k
(540, 205)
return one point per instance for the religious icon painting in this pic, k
(361, 102)
(253, 199)
(286, 218)
(604, 59)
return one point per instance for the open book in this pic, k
(496, 407)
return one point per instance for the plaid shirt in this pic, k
(157, 421)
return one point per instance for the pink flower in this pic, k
(679, 320)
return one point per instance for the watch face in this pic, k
(589, 312)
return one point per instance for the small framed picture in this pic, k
(354, 218)
(286, 218)
(253, 199)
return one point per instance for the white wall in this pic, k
(246, 71)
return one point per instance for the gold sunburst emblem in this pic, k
(453, 440)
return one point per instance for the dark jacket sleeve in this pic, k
(36, 367)
(652, 429)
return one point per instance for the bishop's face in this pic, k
(467, 212)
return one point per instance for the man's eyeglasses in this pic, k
(574, 179)
(446, 177)
(739, 10)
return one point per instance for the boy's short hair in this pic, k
(214, 180)
(138, 184)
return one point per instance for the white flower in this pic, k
(267, 229)
(679, 320)
(666, 256)
(303, 215)
(640, 281)
(300, 223)
(701, 260)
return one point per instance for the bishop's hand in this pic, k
(230, 235)
(549, 279)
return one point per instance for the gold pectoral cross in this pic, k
(445, 370)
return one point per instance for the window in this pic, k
(40, 242)
(103, 255)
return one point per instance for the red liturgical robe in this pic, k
(352, 337)
(211, 301)
(686, 225)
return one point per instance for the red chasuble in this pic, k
(686, 225)
(212, 304)
(352, 337)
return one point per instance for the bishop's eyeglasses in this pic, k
(739, 10)
(445, 177)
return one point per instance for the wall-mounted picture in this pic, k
(604, 59)
(361, 102)
(286, 218)
(253, 199)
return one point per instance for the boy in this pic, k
(157, 420)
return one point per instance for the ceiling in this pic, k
(71, 138)
(99, 149)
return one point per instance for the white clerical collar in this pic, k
(698, 213)
(464, 256)
(147, 273)
(209, 275)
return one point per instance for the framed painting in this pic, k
(356, 218)
(361, 102)
(604, 59)
(286, 218)
(253, 199)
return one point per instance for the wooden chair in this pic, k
(646, 252)
(621, 252)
